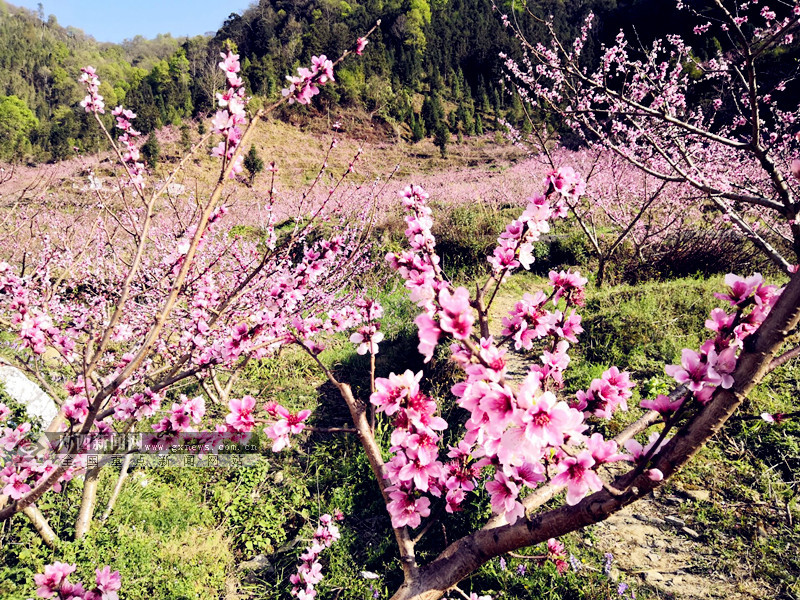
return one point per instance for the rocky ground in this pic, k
(648, 540)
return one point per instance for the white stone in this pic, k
(23, 390)
(175, 189)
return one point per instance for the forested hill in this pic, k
(40, 63)
(445, 51)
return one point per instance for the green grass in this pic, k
(641, 328)
(161, 536)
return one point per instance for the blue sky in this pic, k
(116, 20)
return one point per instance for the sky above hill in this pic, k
(116, 20)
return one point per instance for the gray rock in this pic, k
(653, 557)
(690, 532)
(37, 404)
(675, 521)
(673, 500)
(651, 576)
(698, 495)
(175, 189)
(650, 520)
(257, 563)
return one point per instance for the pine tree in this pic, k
(465, 115)
(253, 163)
(441, 138)
(417, 132)
(186, 137)
(452, 120)
(432, 112)
(151, 151)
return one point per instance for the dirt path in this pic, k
(649, 540)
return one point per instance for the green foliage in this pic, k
(566, 247)
(619, 324)
(151, 151)
(253, 163)
(64, 130)
(161, 537)
(751, 471)
(417, 17)
(186, 137)
(417, 132)
(350, 85)
(18, 412)
(379, 96)
(517, 578)
(16, 122)
(441, 138)
(465, 115)
(432, 112)
(449, 49)
(40, 63)
(466, 235)
(260, 507)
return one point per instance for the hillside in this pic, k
(431, 66)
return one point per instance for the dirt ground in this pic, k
(648, 540)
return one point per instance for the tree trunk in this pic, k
(41, 525)
(601, 272)
(87, 503)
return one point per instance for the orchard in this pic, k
(147, 314)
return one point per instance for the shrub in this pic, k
(151, 151)
(253, 164)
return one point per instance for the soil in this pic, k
(666, 557)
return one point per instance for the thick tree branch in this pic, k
(465, 555)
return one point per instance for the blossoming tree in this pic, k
(529, 441)
(128, 322)
(150, 291)
(644, 104)
(622, 205)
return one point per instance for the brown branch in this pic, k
(123, 474)
(332, 429)
(547, 492)
(784, 358)
(41, 525)
(779, 417)
(358, 412)
(465, 555)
